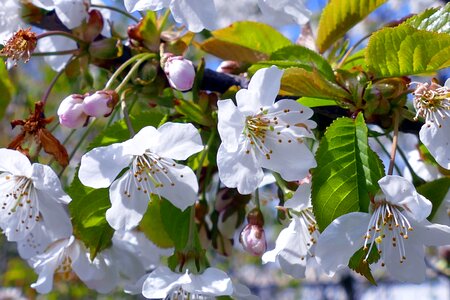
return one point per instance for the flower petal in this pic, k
(100, 166)
(340, 240)
(14, 162)
(262, 90)
(161, 282)
(239, 169)
(71, 13)
(145, 139)
(55, 217)
(430, 234)
(301, 198)
(212, 282)
(126, 211)
(177, 141)
(140, 5)
(437, 141)
(54, 44)
(45, 180)
(400, 191)
(230, 125)
(195, 14)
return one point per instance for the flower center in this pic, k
(387, 220)
(20, 200)
(20, 46)
(65, 267)
(432, 102)
(180, 294)
(149, 172)
(309, 234)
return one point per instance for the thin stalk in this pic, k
(394, 142)
(387, 153)
(256, 199)
(351, 50)
(62, 33)
(126, 14)
(126, 115)
(52, 84)
(65, 52)
(121, 69)
(133, 70)
(192, 226)
(205, 152)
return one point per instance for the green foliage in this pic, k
(297, 56)
(260, 41)
(435, 191)
(176, 223)
(300, 82)
(347, 171)
(433, 19)
(362, 267)
(6, 87)
(315, 102)
(404, 50)
(339, 16)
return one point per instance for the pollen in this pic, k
(20, 46)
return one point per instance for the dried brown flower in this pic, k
(20, 46)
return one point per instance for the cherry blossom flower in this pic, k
(165, 284)
(397, 226)
(180, 72)
(295, 244)
(261, 133)
(432, 102)
(149, 158)
(71, 113)
(31, 194)
(62, 256)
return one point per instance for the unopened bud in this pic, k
(71, 112)
(180, 72)
(229, 67)
(253, 239)
(101, 103)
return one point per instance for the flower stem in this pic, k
(394, 142)
(54, 80)
(351, 50)
(256, 199)
(126, 116)
(126, 14)
(204, 153)
(62, 33)
(133, 70)
(65, 52)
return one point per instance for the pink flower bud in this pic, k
(71, 112)
(180, 72)
(100, 104)
(253, 239)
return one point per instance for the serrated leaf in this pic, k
(362, 267)
(6, 87)
(259, 42)
(435, 191)
(433, 19)
(153, 226)
(300, 82)
(176, 223)
(297, 56)
(339, 16)
(404, 50)
(347, 171)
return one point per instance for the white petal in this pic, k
(340, 240)
(34, 243)
(126, 212)
(430, 234)
(239, 169)
(212, 282)
(183, 192)
(437, 140)
(281, 242)
(71, 13)
(400, 191)
(100, 166)
(140, 5)
(178, 141)
(14, 162)
(54, 44)
(195, 14)
(290, 157)
(230, 124)
(241, 292)
(295, 10)
(55, 217)
(301, 198)
(147, 138)
(44, 284)
(264, 87)
(45, 180)
(161, 282)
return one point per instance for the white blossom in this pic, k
(397, 226)
(149, 158)
(30, 194)
(261, 133)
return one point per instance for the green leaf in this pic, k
(433, 19)
(6, 87)
(300, 82)
(316, 102)
(194, 112)
(176, 223)
(339, 16)
(297, 56)
(347, 171)
(259, 42)
(362, 267)
(435, 191)
(152, 224)
(404, 50)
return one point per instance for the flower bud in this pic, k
(229, 67)
(253, 238)
(71, 112)
(101, 103)
(180, 72)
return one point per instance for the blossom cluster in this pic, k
(197, 159)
